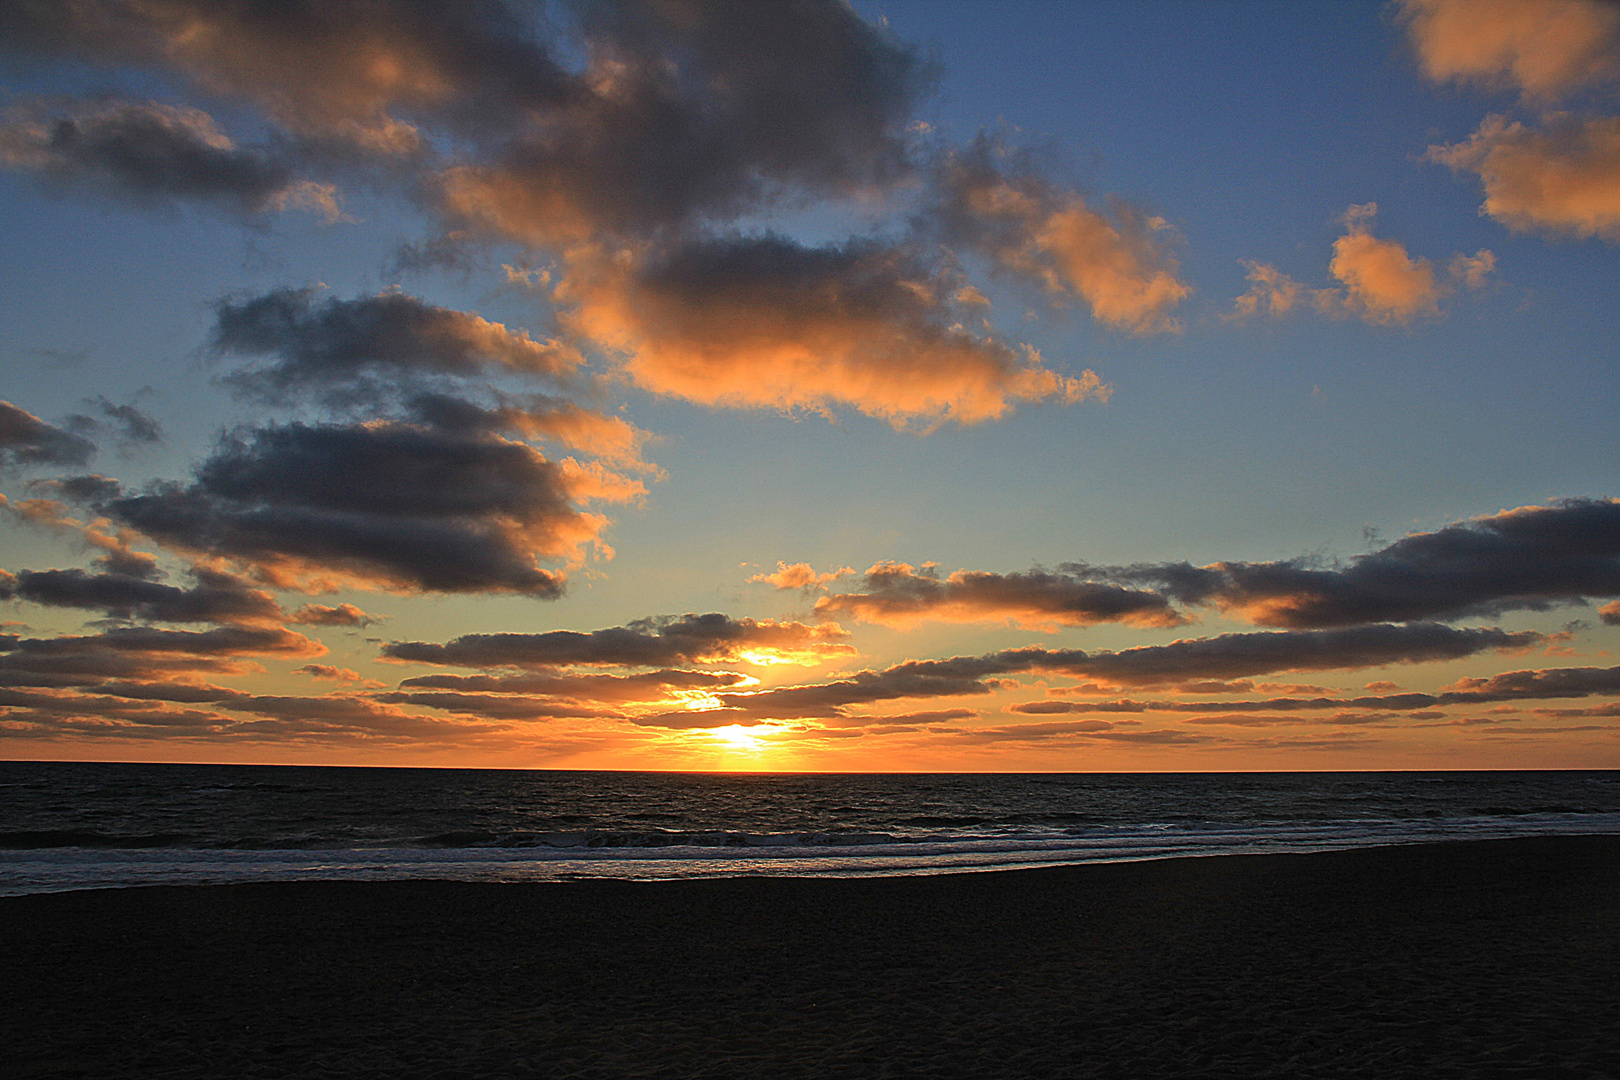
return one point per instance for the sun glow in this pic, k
(737, 737)
(764, 658)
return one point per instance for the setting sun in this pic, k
(739, 738)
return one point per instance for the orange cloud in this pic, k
(1381, 282)
(1546, 48)
(1472, 270)
(763, 322)
(801, 576)
(117, 554)
(1273, 292)
(1110, 265)
(534, 209)
(1116, 265)
(1563, 178)
(608, 437)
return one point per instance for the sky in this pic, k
(885, 386)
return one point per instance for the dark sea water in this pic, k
(76, 825)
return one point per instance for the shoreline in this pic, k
(39, 870)
(1464, 958)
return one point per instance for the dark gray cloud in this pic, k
(341, 71)
(641, 686)
(896, 594)
(130, 424)
(391, 504)
(144, 654)
(149, 153)
(691, 110)
(443, 497)
(221, 641)
(1098, 730)
(25, 439)
(187, 692)
(1052, 708)
(677, 110)
(335, 674)
(921, 679)
(696, 719)
(330, 615)
(1598, 711)
(926, 716)
(74, 714)
(370, 347)
(1532, 684)
(1535, 558)
(87, 489)
(552, 695)
(540, 417)
(32, 712)
(1230, 656)
(1223, 656)
(215, 598)
(341, 713)
(645, 643)
(1538, 683)
(497, 706)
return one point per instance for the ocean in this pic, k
(71, 825)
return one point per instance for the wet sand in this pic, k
(1485, 959)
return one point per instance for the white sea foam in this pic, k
(54, 869)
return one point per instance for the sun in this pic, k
(738, 737)
(762, 658)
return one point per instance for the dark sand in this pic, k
(1486, 959)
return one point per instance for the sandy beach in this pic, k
(1483, 959)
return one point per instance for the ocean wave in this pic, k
(51, 869)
